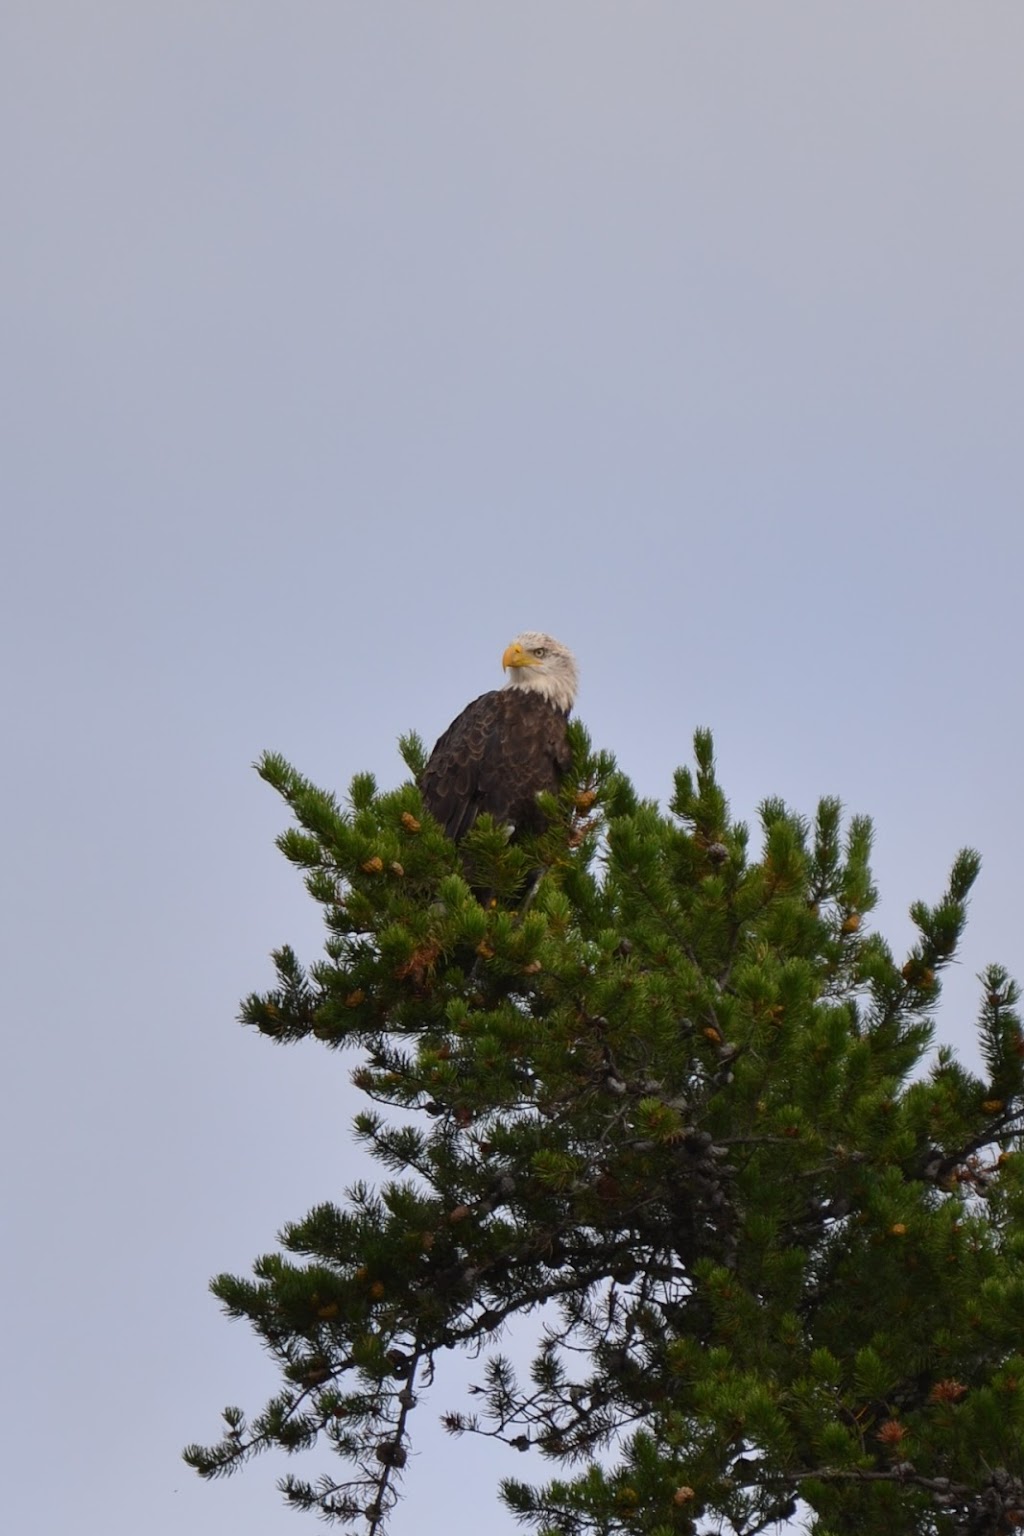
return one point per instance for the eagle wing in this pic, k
(496, 757)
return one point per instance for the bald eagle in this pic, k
(508, 745)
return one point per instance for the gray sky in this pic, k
(339, 343)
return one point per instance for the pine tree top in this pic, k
(675, 1100)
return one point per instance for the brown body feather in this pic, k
(497, 756)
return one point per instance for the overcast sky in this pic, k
(339, 342)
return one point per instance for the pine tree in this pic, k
(677, 1106)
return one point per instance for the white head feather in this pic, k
(542, 664)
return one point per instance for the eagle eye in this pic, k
(541, 651)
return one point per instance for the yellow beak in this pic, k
(515, 656)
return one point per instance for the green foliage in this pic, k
(672, 1100)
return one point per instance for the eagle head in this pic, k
(538, 662)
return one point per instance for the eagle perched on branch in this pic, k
(508, 745)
